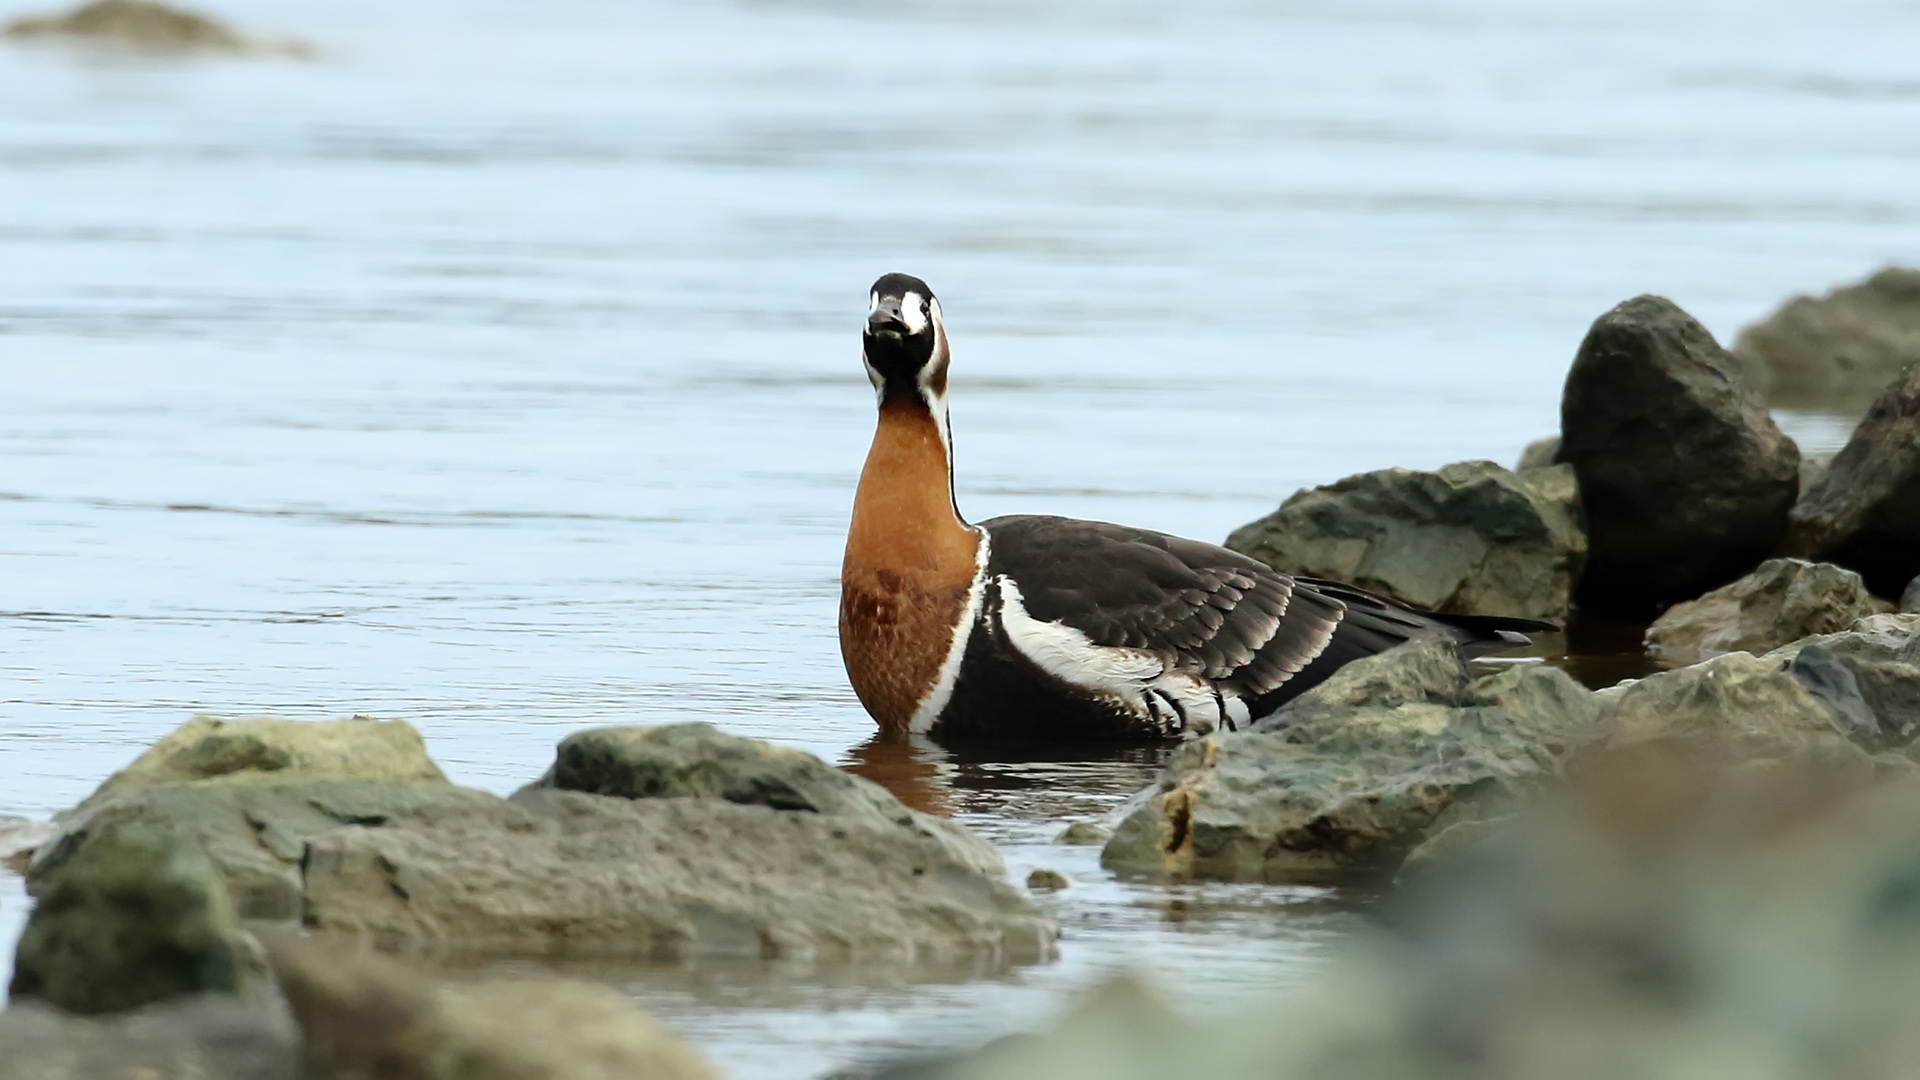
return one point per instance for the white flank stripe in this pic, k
(935, 702)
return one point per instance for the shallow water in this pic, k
(497, 370)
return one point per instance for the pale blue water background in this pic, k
(497, 370)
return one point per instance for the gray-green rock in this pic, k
(1472, 538)
(1684, 477)
(566, 873)
(137, 916)
(1865, 513)
(1836, 352)
(1868, 673)
(699, 761)
(1748, 706)
(1350, 776)
(1539, 454)
(1781, 601)
(202, 1037)
(271, 749)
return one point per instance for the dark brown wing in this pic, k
(1250, 629)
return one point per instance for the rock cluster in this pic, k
(1837, 351)
(1472, 538)
(640, 842)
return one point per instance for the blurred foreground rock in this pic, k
(738, 848)
(147, 27)
(364, 1017)
(1348, 777)
(1684, 477)
(1472, 538)
(203, 1037)
(1673, 915)
(1838, 351)
(1781, 601)
(1865, 513)
(139, 916)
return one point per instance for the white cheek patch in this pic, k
(913, 310)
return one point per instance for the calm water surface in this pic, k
(497, 371)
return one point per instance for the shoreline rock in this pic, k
(1836, 352)
(1865, 512)
(1685, 479)
(1471, 538)
(1781, 601)
(148, 27)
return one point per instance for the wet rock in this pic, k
(1349, 777)
(1782, 601)
(269, 748)
(1866, 512)
(565, 873)
(254, 830)
(362, 1016)
(191, 1038)
(1910, 600)
(1836, 352)
(1539, 454)
(701, 762)
(1746, 705)
(1044, 880)
(1684, 477)
(1471, 538)
(137, 917)
(148, 27)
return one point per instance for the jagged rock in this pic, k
(269, 748)
(1837, 352)
(1866, 512)
(1747, 705)
(1472, 538)
(1910, 600)
(1684, 478)
(362, 1016)
(566, 873)
(1350, 776)
(255, 831)
(147, 27)
(700, 761)
(1539, 454)
(192, 1038)
(1782, 601)
(1871, 670)
(138, 916)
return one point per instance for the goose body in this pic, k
(1038, 628)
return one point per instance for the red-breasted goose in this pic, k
(1038, 628)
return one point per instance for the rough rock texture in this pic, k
(562, 872)
(363, 1017)
(1866, 512)
(18, 839)
(1750, 706)
(700, 761)
(1838, 351)
(1666, 919)
(148, 27)
(1350, 776)
(255, 831)
(1539, 454)
(1472, 538)
(1684, 477)
(271, 748)
(1868, 674)
(203, 1037)
(1782, 601)
(137, 917)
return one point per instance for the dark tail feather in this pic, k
(1483, 634)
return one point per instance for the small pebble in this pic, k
(1082, 832)
(1046, 881)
